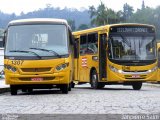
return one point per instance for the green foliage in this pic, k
(80, 17)
(99, 16)
(102, 15)
(95, 16)
(72, 24)
(127, 12)
(83, 27)
(146, 15)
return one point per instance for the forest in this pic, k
(92, 16)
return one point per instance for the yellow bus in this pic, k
(116, 54)
(38, 54)
(158, 53)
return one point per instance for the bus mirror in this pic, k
(72, 40)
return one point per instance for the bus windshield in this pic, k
(43, 40)
(132, 47)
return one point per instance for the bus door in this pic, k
(102, 56)
(82, 63)
(76, 59)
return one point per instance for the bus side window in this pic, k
(76, 48)
(92, 43)
(83, 44)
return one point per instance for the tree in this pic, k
(102, 15)
(13, 16)
(127, 12)
(155, 19)
(98, 16)
(83, 27)
(72, 24)
(143, 5)
(144, 16)
(113, 17)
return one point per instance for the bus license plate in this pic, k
(135, 76)
(36, 79)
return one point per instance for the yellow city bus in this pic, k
(116, 54)
(158, 53)
(38, 54)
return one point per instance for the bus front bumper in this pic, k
(55, 78)
(113, 77)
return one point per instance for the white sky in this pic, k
(16, 6)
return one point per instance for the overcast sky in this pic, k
(16, 6)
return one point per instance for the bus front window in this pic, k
(40, 39)
(132, 47)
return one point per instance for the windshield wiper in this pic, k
(47, 51)
(23, 51)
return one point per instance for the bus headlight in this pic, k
(62, 66)
(115, 69)
(153, 69)
(9, 67)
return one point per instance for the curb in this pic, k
(152, 84)
(3, 90)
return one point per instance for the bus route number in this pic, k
(17, 62)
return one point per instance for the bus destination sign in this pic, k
(129, 29)
(136, 30)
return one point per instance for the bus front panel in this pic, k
(132, 54)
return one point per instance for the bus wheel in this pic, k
(72, 84)
(70, 87)
(100, 86)
(64, 88)
(24, 90)
(13, 90)
(94, 81)
(137, 85)
(30, 90)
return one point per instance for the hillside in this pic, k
(79, 17)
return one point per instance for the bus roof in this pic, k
(37, 21)
(106, 27)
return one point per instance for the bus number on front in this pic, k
(17, 62)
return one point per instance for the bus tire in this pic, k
(137, 85)
(70, 87)
(30, 90)
(94, 81)
(72, 84)
(13, 90)
(64, 88)
(101, 85)
(24, 90)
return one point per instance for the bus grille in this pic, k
(35, 69)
